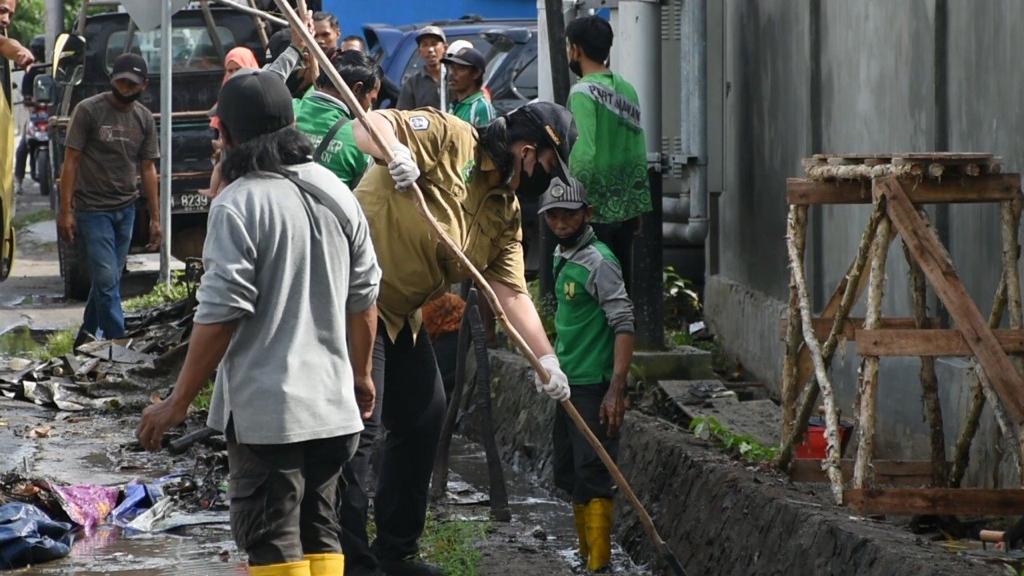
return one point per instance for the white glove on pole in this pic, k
(403, 168)
(558, 386)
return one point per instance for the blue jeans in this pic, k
(106, 237)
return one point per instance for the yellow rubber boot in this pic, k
(326, 564)
(300, 568)
(579, 510)
(598, 516)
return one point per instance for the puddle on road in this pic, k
(207, 550)
(20, 341)
(534, 506)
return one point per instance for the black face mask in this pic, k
(535, 184)
(571, 241)
(574, 65)
(126, 99)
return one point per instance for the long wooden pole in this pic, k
(1010, 220)
(850, 291)
(835, 474)
(453, 249)
(869, 365)
(794, 338)
(927, 376)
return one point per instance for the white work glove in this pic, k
(558, 386)
(402, 167)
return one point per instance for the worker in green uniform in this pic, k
(466, 70)
(594, 324)
(327, 122)
(610, 157)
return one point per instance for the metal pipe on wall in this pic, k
(165, 141)
(694, 102)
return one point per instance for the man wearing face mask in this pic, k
(469, 179)
(610, 157)
(111, 142)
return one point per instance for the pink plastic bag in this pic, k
(86, 505)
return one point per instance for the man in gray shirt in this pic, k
(287, 310)
(424, 88)
(111, 142)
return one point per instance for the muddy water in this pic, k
(533, 507)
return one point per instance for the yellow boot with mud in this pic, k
(328, 564)
(598, 516)
(300, 568)
(580, 512)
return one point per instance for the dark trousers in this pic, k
(619, 237)
(283, 497)
(578, 469)
(411, 409)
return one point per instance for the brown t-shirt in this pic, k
(113, 144)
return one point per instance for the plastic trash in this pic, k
(29, 536)
(86, 505)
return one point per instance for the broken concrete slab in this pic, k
(684, 363)
(759, 419)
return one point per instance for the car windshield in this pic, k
(416, 63)
(192, 48)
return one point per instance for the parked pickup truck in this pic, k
(82, 65)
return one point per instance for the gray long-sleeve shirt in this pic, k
(279, 262)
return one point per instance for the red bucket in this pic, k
(814, 444)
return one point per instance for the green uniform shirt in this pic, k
(592, 308)
(315, 114)
(474, 109)
(610, 155)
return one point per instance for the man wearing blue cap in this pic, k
(466, 70)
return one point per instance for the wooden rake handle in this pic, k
(517, 339)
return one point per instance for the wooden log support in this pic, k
(950, 189)
(821, 373)
(838, 308)
(823, 326)
(1010, 223)
(937, 501)
(929, 380)
(936, 264)
(928, 343)
(905, 473)
(868, 386)
(790, 391)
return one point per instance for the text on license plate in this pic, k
(192, 201)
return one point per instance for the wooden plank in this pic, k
(822, 326)
(958, 189)
(937, 265)
(913, 342)
(886, 472)
(937, 501)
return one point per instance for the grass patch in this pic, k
(20, 342)
(58, 344)
(22, 220)
(159, 295)
(449, 544)
(202, 401)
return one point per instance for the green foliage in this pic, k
(450, 545)
(750, 450)
(177, 291)
(202, 400)
(682, 305)
(22, 220)
(28, 21)
(58, 344)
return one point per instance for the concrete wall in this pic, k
(858, 76)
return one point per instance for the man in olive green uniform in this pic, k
(468, 179)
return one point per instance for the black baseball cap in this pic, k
(253, 103)
(554, 122)
(570, 195)
(467, 57)
(131, 67)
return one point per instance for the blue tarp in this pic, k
(29, 536)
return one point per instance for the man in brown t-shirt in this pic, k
(111, 142)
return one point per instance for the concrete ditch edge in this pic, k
(723, 518)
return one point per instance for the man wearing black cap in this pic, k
(111, 142)
(469, 180)
(287, 311)
(424, 87)
(466, 80)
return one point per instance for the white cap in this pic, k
(454, 47)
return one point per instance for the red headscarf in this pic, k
(245, 59)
